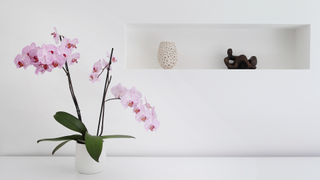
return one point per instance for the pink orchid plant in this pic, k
(50, 56)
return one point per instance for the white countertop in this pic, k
(166, 168)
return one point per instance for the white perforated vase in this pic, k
(85, 164)
(167, 54)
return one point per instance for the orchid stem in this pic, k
(102, 120)
(72, 92)
(66, 70)
(112, 99)
(106, 85)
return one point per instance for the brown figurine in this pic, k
(240, 62)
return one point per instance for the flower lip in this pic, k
(20, 64)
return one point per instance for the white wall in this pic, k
(202, 112)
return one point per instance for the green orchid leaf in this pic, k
(71, 137)
(60, 145)
(70, 122)
(94, 146)
(116, 136)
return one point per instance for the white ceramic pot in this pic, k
(85, 164)
(167, 54)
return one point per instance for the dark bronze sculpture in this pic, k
(240, 62)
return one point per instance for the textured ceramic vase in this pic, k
(85, 164)
(167, 55)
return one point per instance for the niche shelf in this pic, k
(204, 46)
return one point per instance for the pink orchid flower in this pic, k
(69, 44)
(43, 68)
(22, 61)
(144, 115)
(64, 51)
(97, 67)
(58, 62)
(153, 124)
(131, 97)
(49, 58)
(148, 106)
(47, 54)
(32, 52)
(137, 107)
(119, 91)
(114, 60)
(73, 58)
(93, 77)
(56, 35)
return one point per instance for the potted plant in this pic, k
(89, 147)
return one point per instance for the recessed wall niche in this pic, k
(204, 46)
